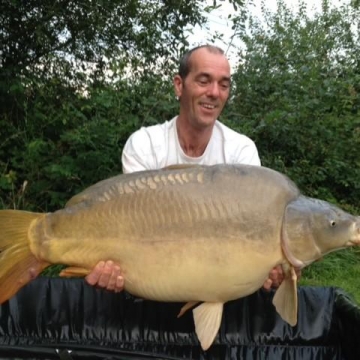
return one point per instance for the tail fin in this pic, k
(18, 265)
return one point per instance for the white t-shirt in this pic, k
(157, 146)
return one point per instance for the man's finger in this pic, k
(267, 284)
(95, 274)
(119, 284)
(105, 276)
(112, 278)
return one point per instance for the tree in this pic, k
(296, 92)
(76, 78)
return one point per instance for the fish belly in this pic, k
(202, 270)
(175, 268)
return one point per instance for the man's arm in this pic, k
(136, 156)
(248, 154)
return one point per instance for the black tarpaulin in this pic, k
(54, 318)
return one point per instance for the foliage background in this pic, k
(78, 77)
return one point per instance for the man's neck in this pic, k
(193, 141)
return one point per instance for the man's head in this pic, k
(202, 85)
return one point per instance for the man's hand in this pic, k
(276, 277)
(106, 275)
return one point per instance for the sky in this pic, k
(218, 22)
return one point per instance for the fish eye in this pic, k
(332, 223)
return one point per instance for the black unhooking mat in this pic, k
(66, 319)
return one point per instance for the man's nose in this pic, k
(213, 90)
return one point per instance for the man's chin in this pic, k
(207, 119)
(206, 123)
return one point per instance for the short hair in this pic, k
(185, 63)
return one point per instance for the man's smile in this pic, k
(208, 106)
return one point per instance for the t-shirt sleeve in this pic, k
(240, 149)
(138, 154)
(247, 155)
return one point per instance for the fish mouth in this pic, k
(355, 235)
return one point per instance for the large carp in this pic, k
(192, 234)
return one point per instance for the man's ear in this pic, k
(178, 85)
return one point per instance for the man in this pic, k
(195, 136)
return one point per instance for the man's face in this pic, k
(205, 90)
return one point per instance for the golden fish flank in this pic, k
(170, 230)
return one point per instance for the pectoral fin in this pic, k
(73, 271)
(285, 299)
(207, 318)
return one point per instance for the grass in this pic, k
(340, 269)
